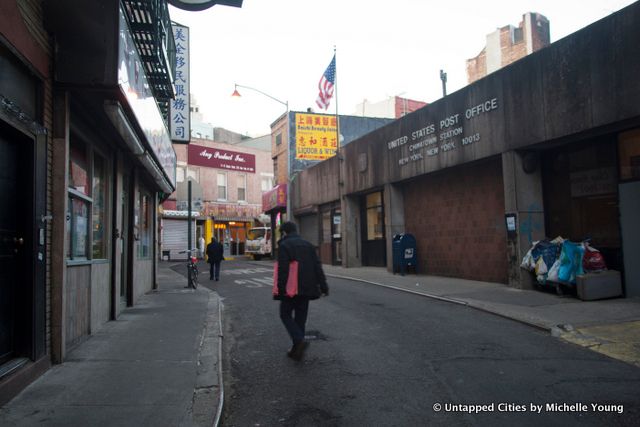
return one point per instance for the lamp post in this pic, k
(286, 104)
(237, 94)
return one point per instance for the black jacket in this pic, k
(215, 252)
(311, 280)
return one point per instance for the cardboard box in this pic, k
(604, 284)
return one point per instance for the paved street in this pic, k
(385, 357)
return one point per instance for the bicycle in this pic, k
(192, 268)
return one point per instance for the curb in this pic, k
(209, 389)
(450, 300)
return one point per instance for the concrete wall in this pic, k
(316, 185)
(584, 81)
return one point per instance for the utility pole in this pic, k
(443, 77)
(189, 243)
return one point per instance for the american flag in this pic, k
(326, 85)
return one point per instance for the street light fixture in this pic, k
(237, 94)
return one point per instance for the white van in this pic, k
(258, 242)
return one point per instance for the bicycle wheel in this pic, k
(194, 277)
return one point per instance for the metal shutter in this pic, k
(174, 237)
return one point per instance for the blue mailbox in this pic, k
(404, 253)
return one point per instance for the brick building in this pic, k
(227, 184)
(549, 146)
(508, 44)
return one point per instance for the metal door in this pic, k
(13, 189)
(630, 226)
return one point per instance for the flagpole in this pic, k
(340, 162)
(335, 90)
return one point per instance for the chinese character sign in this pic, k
(179, 111)
(316, 136)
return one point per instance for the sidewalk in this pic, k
(611, 327)
(157, 365)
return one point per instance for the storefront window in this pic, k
(629, 155)
(99, 208)
(375, 219)
(78, 168)
(144, 247)
(78, 228)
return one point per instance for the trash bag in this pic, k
(541, 267)
(552, 275)
(547, 250)
(570, 261)
(593, 260)
(527, 262)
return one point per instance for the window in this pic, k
(279, 139)
(144, 227)
(99, 208)
(87, 213)
(242, 188)
(275, 166)
(222, 186)
(180, 174)
(77, 228)
(266, 184)
(78, 168)
(77, 231)
(193, 174)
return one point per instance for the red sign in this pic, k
(274, 198)
(221, 159)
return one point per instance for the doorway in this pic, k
(125, 265)
(374, 246)
(16, 274)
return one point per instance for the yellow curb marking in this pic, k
(620, 341)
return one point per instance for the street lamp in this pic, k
(286, 104)
(237, 94)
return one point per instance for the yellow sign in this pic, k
(316, 136)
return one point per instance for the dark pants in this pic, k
(295, 324)
(214, 270)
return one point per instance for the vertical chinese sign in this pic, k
(179, 111)
(315, 136)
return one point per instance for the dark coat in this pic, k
(215, 252)
(311, 279)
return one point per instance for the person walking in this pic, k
(201, 248)
(214, 258)
(312, 283)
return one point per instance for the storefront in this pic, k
(546, 147)
(112, 162)
(24, 224)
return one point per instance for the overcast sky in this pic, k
(384, 48)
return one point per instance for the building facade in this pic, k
(545, 147)
(508, 44)
(227, 183)
(300, 140)
(86, 158)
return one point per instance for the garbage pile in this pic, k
(560, 260)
